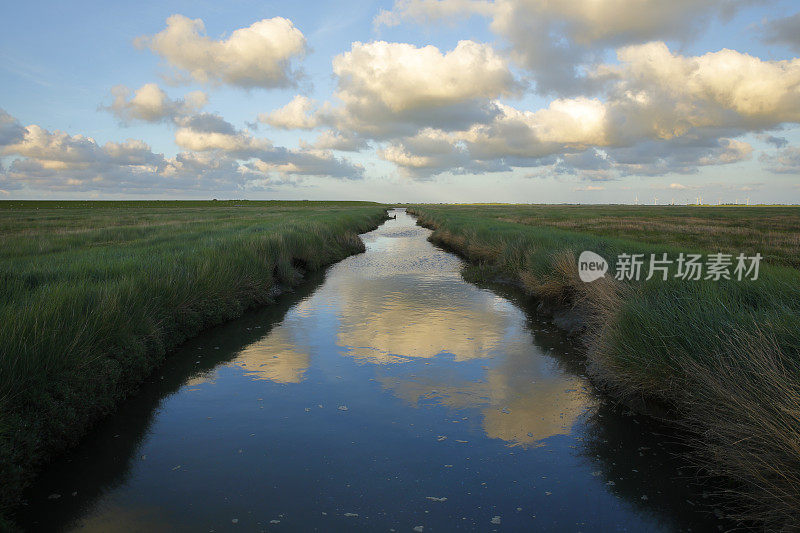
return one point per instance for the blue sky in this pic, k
(451, 123)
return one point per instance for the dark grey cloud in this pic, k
(11, 131)
(220, 158)
(207, 123)
(212, 134)
(592, 165)
(777, 142)
(784, 31)
(683, 155)
(784, 161)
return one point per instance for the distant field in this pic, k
(93, 294)
(772, 231)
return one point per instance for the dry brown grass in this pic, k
(450, 240)
(478, 251)
(745, 412)
(473, 249)
(775, 237)
(560, 284)
(599, 303)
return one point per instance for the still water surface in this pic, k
(386, 393)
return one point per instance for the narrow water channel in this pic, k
(385, 394)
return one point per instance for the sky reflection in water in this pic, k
(392, 390)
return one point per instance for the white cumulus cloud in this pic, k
(553, 39)
(402, 76)
(296, 115)
(396, 88)
(257, 56)
(150, 103)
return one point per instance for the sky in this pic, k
(531, 101)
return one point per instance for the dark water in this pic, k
(388, 394)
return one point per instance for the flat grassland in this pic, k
(772, 231)
(94, 294)
(722, 356)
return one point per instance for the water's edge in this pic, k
(131, 388)
(573, 321)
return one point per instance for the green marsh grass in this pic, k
(94, 294)
(722, 358)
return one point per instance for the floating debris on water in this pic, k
(495, 520)
(435, 499)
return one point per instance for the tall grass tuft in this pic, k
(744, 412)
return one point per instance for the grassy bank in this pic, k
(723, 357)
(94, 294)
